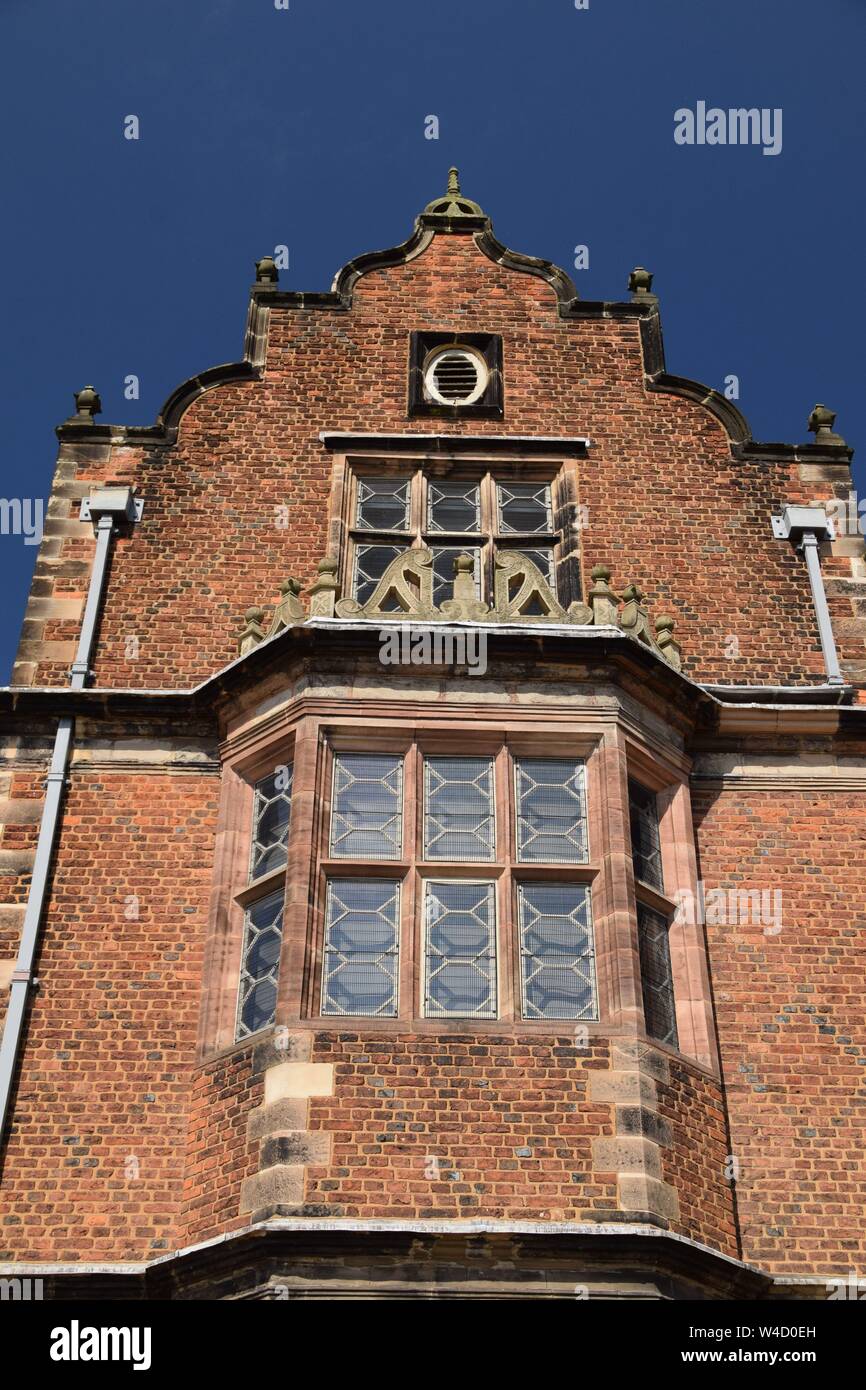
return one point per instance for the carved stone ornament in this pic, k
(522, 595)
(404, 591)
(465, 606)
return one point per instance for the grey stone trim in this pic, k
(640, 1133)
(575, 446)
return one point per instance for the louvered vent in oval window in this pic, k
(456, 376)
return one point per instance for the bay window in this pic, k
(431, 873)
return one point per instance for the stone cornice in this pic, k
(350, 639)
(640, 1247)
(610, 657)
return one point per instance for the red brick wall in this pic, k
(219, 1154)
(790, 1012)
(667, 504)
(438, 1126)
(694, 1164)
(94, 1161)
(471, 1103)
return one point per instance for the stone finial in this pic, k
(634, 618)
(667, 643)
(465, 606)
(325, 591)
(266, 271)
(464, 577)
(253, 632)
(454, 204)
(821, 423)
(640, 282)
(604, 602)
(289, 611)
(87, 404)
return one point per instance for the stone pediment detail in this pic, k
(522, 595)
(405, 590)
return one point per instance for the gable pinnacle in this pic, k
(454, 204)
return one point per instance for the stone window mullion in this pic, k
(613, 900)
(300, 872)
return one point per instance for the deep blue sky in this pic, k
(306, 128)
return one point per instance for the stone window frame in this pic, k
(611, 754)
(426, 345)
(554, 470)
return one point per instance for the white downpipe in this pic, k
(809, 547)
(22, 979)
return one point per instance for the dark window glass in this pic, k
(383, 504)
(263, 934)
(645, 846)
(656, 977)
(271, 815)
(371, 562)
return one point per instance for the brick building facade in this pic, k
(444, 864)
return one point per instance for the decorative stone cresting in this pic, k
(280, 1125)
(521, 595)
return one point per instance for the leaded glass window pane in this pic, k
(371, 562)
(551, 811)
(656, 975)
(367, 814)
(524, 507)
(460, 951)
(458, 809)
(556, 951)
(383, 504)
(542, 556)
(360, 969)
(272, 811)
(645, 844)
(453, 507)
(260, 963)
(443, 569)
